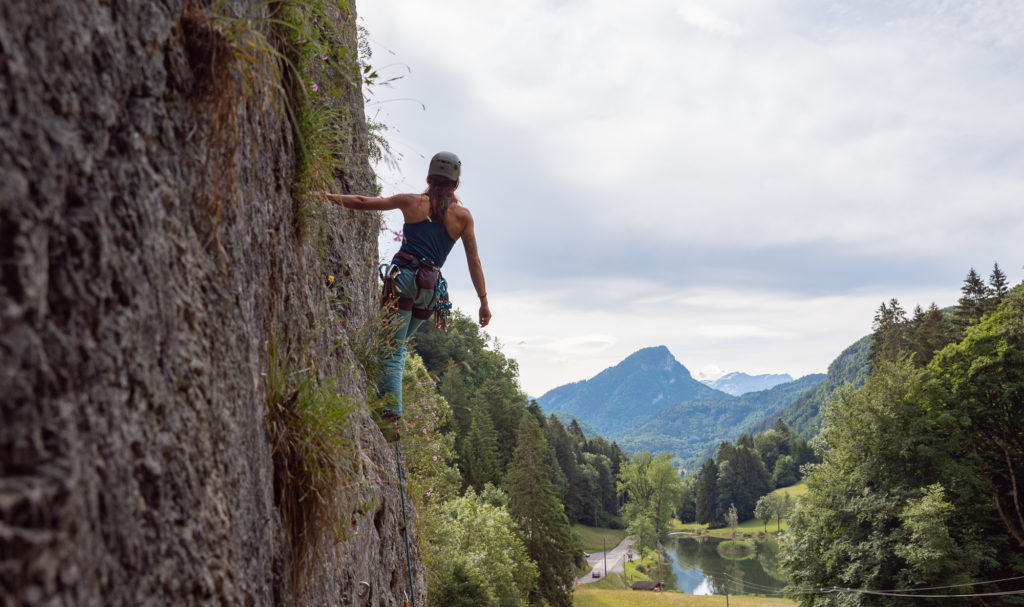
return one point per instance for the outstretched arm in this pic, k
(367, 203)
(476, 270)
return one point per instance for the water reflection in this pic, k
(698, 568)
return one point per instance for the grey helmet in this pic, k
(445, 164)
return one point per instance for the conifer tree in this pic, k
(504, 404)
(998, 286)
(479, 460)
(889, 331)
(706, 492)
(972, 303)
(534, 503)
(568, 475)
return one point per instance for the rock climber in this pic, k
(434, 220)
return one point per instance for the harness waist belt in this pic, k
(404, 258)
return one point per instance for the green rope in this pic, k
(405, 522)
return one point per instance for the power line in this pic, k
(1006, 579)
(892, 592)
(930, 596)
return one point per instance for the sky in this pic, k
(743, 182)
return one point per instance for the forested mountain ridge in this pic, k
(650, 401)
(689, 429)
(615, 399)
(803, 415)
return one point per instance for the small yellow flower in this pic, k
(330, 278)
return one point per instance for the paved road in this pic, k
(615, 558)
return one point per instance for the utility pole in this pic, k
(604, 544)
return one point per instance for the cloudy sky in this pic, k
(743, 182)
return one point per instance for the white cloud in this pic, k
(702, 17)
(709, 373)
(744, 332)
(865, 147)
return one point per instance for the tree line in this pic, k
(496, 483)
(741, 474)
(919, 483)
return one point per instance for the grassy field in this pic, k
(752, 526)
(793, 490)
(592, 536)
(588, 596)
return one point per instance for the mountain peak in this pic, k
(640, 385)
(652, 358)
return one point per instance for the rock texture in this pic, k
(146, 261)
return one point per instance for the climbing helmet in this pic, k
(445, 164)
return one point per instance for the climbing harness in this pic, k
(428, 276)
(405, 523)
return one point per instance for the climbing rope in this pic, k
(405, 523)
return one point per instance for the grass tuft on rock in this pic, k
(307, 420)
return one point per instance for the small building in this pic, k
(648, 585)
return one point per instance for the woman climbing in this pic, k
(434, 220)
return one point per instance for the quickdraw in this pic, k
(443, 312)
(388, 294)
(390, 298)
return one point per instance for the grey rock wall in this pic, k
(145, 264)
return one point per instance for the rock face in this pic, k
(146, 262)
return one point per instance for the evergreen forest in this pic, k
(497, 483)
(912, 479)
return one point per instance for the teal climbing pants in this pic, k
(402, 324)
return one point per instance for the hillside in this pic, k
(615, 399)
(691, 427)
(183, 399)
(803, 416)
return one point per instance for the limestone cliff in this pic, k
(152, 257)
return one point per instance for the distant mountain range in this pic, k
(738, 383)
(650, 401)
(614, 400)
(689, 428)
(803, 415)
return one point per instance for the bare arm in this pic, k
(367, 203)
(476, 270)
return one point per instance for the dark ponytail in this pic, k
(441, 192)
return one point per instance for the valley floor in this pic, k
(590, 597)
